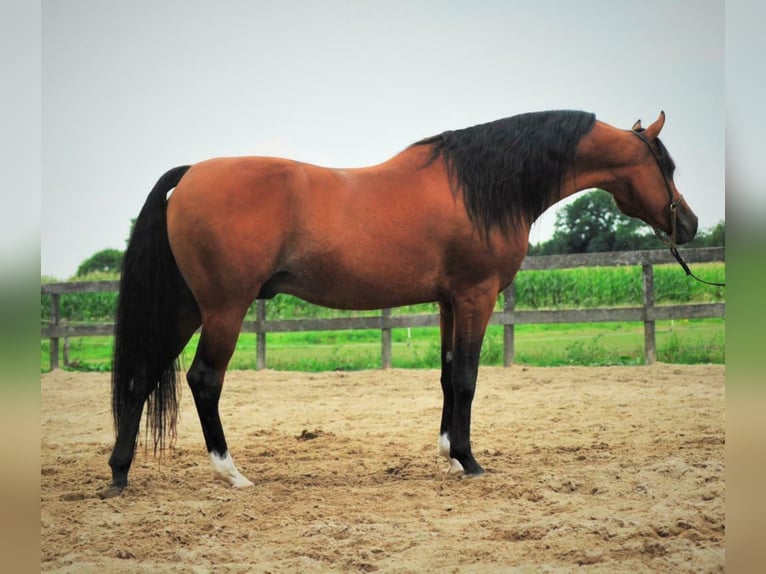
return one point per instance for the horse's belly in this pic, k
(366, 283)
(357, 301)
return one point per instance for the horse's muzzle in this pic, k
(686, 227)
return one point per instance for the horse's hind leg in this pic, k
(216, 346)
(141, 387)
(125, 443)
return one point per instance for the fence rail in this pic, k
(647, 313)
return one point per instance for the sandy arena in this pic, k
(610, 469)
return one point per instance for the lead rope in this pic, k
(683, 264)
(670, 241)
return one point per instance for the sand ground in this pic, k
(609, 469)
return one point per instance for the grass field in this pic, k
(681, 341)
(685, 341)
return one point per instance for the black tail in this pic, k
(146, 329)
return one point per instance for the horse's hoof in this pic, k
(241, 482)
(455, 467)
(476, 473)
(111, 492)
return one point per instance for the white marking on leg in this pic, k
(224, 469)
(454, 464)
(444, 445)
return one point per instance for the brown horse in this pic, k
(446, 220)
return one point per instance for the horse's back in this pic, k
(237, 180)
(350, 238)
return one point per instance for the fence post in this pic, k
(650, 342)
(65, 350)
(260, 334)
(54, 341)
(509, 304)
(385, 339)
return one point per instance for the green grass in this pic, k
(680, 341)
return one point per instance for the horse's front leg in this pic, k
(471, 314)
(447, 328)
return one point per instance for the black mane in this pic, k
(509, 169)
(667, 165)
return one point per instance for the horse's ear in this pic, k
(637, 126)
(654, 130)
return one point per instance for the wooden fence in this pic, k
(647, 313)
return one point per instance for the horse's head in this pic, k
(649, 192)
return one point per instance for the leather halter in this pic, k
(670, 240)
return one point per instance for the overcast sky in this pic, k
(130, 89)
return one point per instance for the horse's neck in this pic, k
(602, 161)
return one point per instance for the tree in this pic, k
(105, 261)
(716, 237)
(593, 223)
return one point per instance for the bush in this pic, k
(105, 261)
